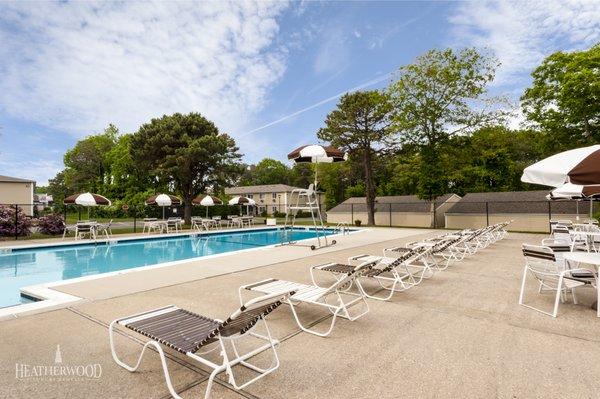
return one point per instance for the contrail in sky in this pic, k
(335, 97)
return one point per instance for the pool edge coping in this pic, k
(50, 298)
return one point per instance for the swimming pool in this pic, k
(25, 267)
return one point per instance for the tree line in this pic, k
(434, 130)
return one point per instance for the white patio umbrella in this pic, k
(578, 192)
(207, 200)
(579, 166)
(239, 200)
(88, 200)
(317, 154)
(163, 200)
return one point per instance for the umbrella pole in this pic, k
(577, 208)
(207, 212)
(163, 212)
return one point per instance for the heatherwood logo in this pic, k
(58, 371)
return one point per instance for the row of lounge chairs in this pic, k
(398, 269)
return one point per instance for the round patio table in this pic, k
(588, 258)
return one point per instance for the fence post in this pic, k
(549, 217)
(434, 221)
(351, 214)
(16, 221)
(487, 214)
(390, 214)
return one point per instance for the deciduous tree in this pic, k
(361, 126)
(442, 93)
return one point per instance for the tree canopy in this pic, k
(361, 125)
(186, 152)
(442, 93)
(564, 99)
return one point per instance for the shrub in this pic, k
(7, 222)
(52, 224)
(358, 222)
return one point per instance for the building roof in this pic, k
(267, 188)
(399, 203)
(9, 179)
(513, 202)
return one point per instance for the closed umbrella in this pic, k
(207, 200)
(87, 199)
(163, 200)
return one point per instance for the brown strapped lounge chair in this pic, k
(392, 274)
(335, 298)
(188, 332)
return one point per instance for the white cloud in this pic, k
(522, 33)
(78, 66)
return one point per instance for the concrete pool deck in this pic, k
(459, 334)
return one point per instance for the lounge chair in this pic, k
(392, 274)
(318, 296)
(188, 332)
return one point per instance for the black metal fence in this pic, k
(22, 220)
(528, 215)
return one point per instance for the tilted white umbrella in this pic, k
(207, 200)
(163, 200)
(575, 191)
(579, 166)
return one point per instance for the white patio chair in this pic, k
(550, 275)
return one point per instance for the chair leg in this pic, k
(132, 369)
(308, 330)
(522, 294)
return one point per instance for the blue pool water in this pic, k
(25, 267)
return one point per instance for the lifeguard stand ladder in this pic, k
(306, 200)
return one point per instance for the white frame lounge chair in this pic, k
(187, 333)
(317, 296)
(394, 274)
(551, 275)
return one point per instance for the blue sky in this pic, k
(266, 73)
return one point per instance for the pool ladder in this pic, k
(343, 228)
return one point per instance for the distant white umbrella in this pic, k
(579, 166)
(88, 200)
(242, 201)
(317, 154)
(248, 202)
(207, 200)
(576, 192)
(163, 200)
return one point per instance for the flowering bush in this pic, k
(7, 221)
(51, 224)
